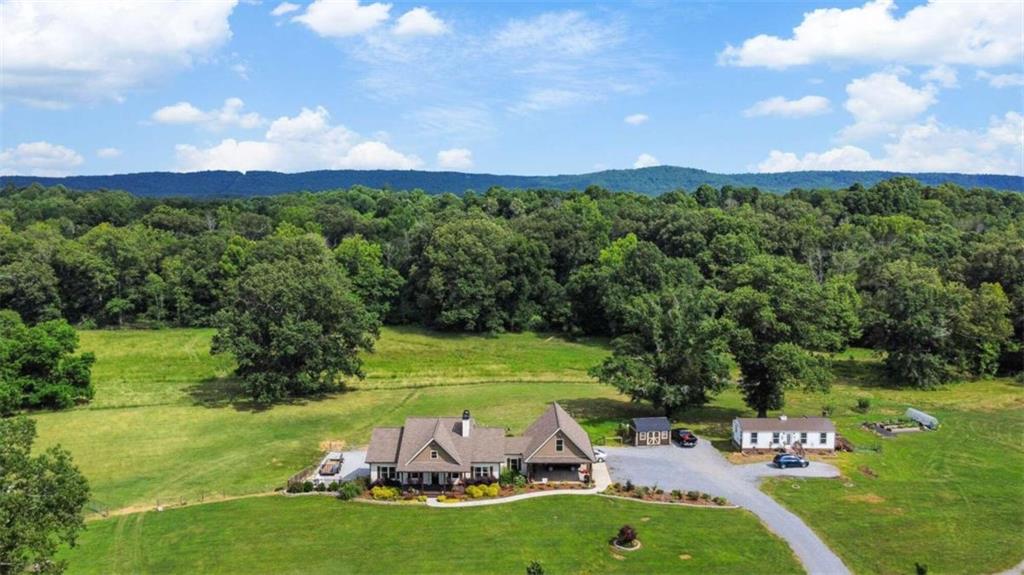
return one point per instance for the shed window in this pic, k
(775, 437)
(559, 444)
(823, 438)
(753, 437)
(803, 438)
(664, 435)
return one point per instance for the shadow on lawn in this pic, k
(219, 392)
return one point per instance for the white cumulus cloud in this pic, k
(881, 103)
(543, 99)
(799, 108)
(1001, 80)
(925, 147)
(455, 159)
(646, 161)
(956, 33)
(284, 8)
(108, 153)
(341, 18)
(419, 22)
(55, 53)
(636, 119)
(228, 115)
(943, 75)
(39, 159)
(307, 141)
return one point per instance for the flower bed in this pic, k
(645, 493)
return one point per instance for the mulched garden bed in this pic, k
(653, 494)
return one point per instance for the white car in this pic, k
(600, 455)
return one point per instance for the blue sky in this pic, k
(527, 88)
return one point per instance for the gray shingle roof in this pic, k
(552, 420)
(798, 424)
(645, 424)
(384, 445)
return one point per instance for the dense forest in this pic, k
(650, 181)
(686, 284)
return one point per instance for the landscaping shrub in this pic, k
(307, 486)
(509, 476)
(827, 410)
(676, 494)
(692, 495)
(628, 486)
(294, 488)
(863, 405)
(719, 500)
(493, 490)
(626, 536)
(534, 568)
(350, 490)
(519, 481)
(705, 496)
(320, 487)
(332, 486)
(475, 491)
(421, 498)
(384, 493)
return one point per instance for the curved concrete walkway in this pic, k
(703, 468)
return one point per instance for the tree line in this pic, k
(687, 285)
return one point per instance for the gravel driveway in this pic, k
(703, 468)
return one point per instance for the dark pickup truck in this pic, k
(684, 437)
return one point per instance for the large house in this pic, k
(767, 433)
(439, 452)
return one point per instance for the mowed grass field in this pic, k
(567, 534)
(169, 425)
(168, 422)
(952, 499)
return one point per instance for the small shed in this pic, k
(650, 430)
(926, 421)
(752, 434)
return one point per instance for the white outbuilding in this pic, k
(772, 433)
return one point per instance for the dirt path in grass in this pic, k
(131, 509)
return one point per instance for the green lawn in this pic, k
(168, 424)
(567, 534)
(951, 499)
(164, 426)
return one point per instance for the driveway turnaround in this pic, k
(702, 468)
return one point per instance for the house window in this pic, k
(753, 437)
(512, 463)
(414, 476)
(433, 454)
(481, 472)
(385, 472)
(559, 444)
(803, 438)
(823, 438)
(775, 437)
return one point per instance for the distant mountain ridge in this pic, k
(651, 181)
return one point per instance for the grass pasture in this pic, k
(567, 534)
(167, 425)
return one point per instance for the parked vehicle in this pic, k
(600, 455)
(784, 460)
(685, 437)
